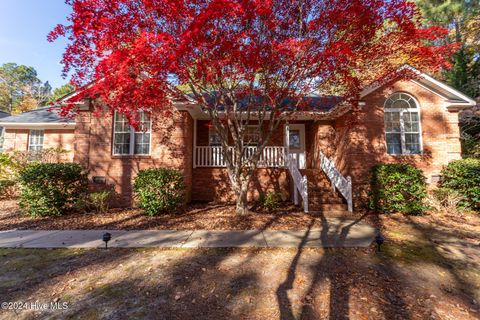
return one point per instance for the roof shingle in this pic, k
(40, 115)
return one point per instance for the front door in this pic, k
(295, 137)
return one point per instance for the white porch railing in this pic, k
(339, 182)
(300, 183)
(211, 156)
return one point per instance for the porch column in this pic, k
(194, 142)
(287, 138)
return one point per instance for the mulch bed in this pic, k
(196, 216)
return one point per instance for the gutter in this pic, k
(41, 125)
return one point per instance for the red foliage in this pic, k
(133, 52)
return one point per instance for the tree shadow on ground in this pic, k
(305, 283)
(435, 238)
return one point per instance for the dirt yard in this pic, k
(429, 268)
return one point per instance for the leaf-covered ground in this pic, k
(194, 217)
(429, 268)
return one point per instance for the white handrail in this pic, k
(212, 156)
(339, 182)
(300, 183)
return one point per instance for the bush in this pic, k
(397, 188)
(272, 200)
(444, 199)
(8, 189)
(159, 190)
(8, 167)
(464, 176)
(99, 200)
(51, 188)
(12, 163)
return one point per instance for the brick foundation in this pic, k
(212, 184)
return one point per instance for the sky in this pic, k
(24, 25)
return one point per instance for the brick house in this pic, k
(405, 121)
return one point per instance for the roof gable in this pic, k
(452, 96)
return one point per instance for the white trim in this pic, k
(194, 143)
(301, 156)
(30, 135)
(442, 85)
(429, 89)
(449, 89)
(402, 125)
(40, 125)
(131, 146)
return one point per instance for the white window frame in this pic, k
(401, 111)
(31, 134)
(131, 147)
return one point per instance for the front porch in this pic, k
(212, 156)
(295, 139)
(294, 163)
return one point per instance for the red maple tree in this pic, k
(242, 60)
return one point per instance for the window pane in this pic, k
(123, 132)
(412, 143)
(394, 143)
(410, 120)
(400, 104)
(412, 138)
(121, 149)
(35, 142)
(142, 143)
(400, 101)
(392, 121)
(121, 136)
(142, 136)
(144, 125)
(294, 139)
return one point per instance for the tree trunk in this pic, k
(241, 192)
(240, 182)
(241, 206)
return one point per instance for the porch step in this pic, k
(321, 197)
(327, 207)
(316, 178)
(325, 199)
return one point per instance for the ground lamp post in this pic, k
(379, 239)
(106, 237)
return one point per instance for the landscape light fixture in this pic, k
(106, 237)
(379, 239)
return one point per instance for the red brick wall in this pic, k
(355, 148)
(319, 136)
(171, 146)
(17, 140)
(212, 184)
(363, 145)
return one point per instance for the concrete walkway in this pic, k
(336, 233)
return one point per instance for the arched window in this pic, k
(402, 125)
